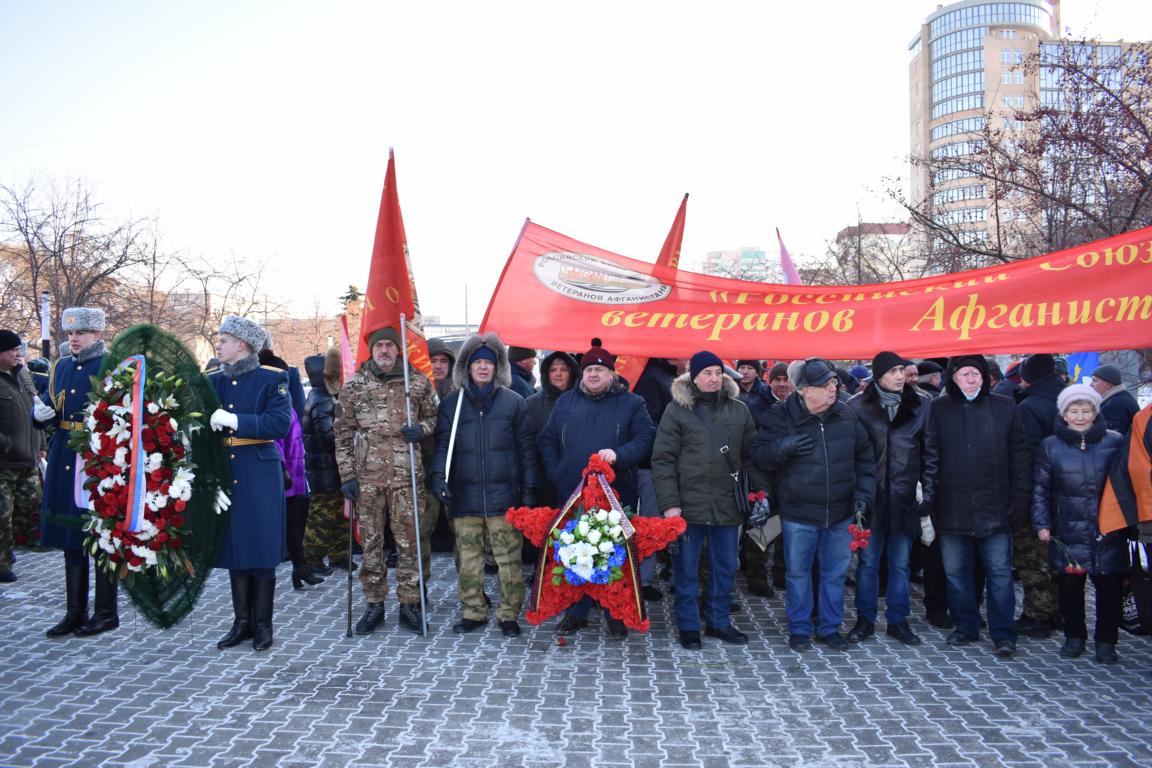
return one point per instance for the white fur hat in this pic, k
(247, 331)
(82, 319)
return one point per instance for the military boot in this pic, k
(104, 615)
(373, 615)
(411, 617)
(241, 608)
(263, 595)
(76, 585)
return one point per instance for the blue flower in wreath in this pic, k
(616, 559)
(601, 576)
(574, 578)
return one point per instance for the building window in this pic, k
(966, 125)
(960, 104)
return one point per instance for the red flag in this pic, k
(391, 287)
(347, 364)
(629, 367)
(791, 276)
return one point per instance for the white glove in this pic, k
(222, 501)
(42, 412)
(927, 531)
(222, 418)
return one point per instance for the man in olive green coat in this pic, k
(704, 423)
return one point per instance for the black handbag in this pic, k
(1137, 605)
(740, 489)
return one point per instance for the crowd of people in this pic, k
(950, 472)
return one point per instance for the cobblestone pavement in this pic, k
(142, 697)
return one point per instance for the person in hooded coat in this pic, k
(326, 532)
(493, 467)
(984, 487)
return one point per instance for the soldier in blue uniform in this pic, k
(255, 412)
(64, 500)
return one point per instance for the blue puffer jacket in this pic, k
(1071, 469)
(581, 425)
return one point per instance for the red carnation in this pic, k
(179, 506)
(161, 537)
(178, 520)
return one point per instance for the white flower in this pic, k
(127, 401)
(121, 457)
(601, 515)
(566, 537)
(594, 536)
(93, 439)
(153, 408)
(616, 532)
(153, 462)
(582, 529)
(120, 431)
(614, 518)
(172, 423)
(607, 547)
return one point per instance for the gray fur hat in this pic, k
(247, 331)
(460, 376)
(82, 319)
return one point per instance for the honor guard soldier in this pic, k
(255, 411)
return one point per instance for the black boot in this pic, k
(373, 615)
(241, 608)
(263, 594)
(411, 617)
(104, 614)
(76, 586)
(297, 521)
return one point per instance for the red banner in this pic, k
(391, 287)
(557, 293)
(629, 367)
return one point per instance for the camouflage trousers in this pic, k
(327, 530)
(19, 506)
(507, 543)
(1030, 556)
(394, 505)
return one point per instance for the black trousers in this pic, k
(1109, 597)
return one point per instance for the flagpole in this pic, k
(412, 472)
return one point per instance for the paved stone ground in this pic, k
(142, 697)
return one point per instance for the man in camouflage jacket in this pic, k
(374, 459)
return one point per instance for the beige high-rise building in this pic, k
(962, 74)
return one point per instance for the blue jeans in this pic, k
(896, 546)
(803, 544)
(995, 552)
(723, 541)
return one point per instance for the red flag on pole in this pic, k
(391, 287)
(347, 363)
(629, 367)
(791, 276)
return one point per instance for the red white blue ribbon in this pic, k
(137, 476)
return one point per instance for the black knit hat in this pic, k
(597, 355)
(1038, 366)
(516, 354)
(1108, 373)
(9, 340)
(780, 369)
(701, 360)
(759, 366)
(884, 362)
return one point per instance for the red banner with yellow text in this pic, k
(556, 293)
(391, 288)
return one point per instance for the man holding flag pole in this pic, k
(385, 410)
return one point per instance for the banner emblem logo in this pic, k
(589, 278)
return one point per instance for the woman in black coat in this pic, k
(1071, 469)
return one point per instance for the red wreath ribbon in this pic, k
(621, 598)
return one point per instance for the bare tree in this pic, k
(866, 253)
(232, 287)
(58, 242)
(1074, 167)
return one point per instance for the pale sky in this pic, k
(262, 128)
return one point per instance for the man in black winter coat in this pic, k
(984, 487)
(824, 474)
(1119, 406)
(1040, 385)
(899, 422)
(655, 386)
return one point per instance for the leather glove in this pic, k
(440, 490)
(860, 510)
(42, 412)
(1145, 531)
(1019, 513)
(796, 445)
(222, 419)
(927, 531)
(413, 433)
(350, 489)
